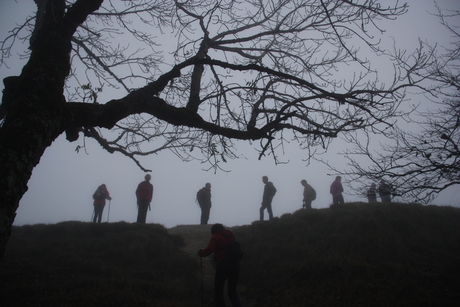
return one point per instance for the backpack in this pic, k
(99, 194)
(233, 252)
(200, 195)
(313, 194)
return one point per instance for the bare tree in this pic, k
(421, 158)
(191, 77)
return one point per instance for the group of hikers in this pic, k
(384, 191)
(228, 264)
(144, 194)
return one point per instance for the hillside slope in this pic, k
(354, 255)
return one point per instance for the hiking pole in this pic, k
(92, 215)
(108, 214)
(201, 269)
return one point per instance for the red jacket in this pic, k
(336, 187)
(218, 244)
(101, 201)
(144, 191)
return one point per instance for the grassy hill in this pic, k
(352, 255)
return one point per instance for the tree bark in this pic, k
(35, 110)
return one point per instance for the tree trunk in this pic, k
(35, 112)
(30, 126)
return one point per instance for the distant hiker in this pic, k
(309, 194)
(269, 192)
(227, 268)
(336, 191)
(144, 193)
(372, 194)
(99, 196)
(203, 196)
(385, 192)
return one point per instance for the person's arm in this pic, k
(107, 194)
(212, 245)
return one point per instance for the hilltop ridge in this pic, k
(352, 255)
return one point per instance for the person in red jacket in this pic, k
(99, 197)
(144, 194)
(225, 269)
(336, 191)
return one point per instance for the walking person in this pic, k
(309, 194)
(226, 269)
(336, 191)
(203, 196)
(269, 192)
(144, 194)
(372, 194)
(99, 196)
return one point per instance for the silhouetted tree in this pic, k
(191, 77)
(422, 158)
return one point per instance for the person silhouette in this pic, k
(144, 194)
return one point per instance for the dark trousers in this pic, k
(386, 198)
(230, 273)
(337, 199)
(268, 206)
(142, 205)
(98, 209)
(205, 210)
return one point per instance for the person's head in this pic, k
(216, 227)
(338, 178)
(208, 185)
(102, 186)
(264, 179)
(148, 177)
(303, 182)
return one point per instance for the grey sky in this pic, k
(62, 184)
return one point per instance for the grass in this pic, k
(355, 255)
(352, 255)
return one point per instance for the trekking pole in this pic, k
(201, 269)
(92, 216)
(108, 214)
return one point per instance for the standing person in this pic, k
(309, 194)
(336, 191)
(385, 191)
(204, 201)
(99, 196)
(269, 192)
(144, 193)
(372, 194)
(226, 269)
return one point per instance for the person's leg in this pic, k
(219, 281)
(142, 213)
(94, 214)
(261, 211)
(101, 210)
(270, 211)
(97, 213)
(205, 214)
(233, 276)
(340, 199)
